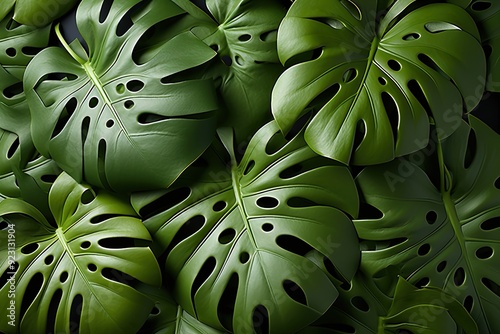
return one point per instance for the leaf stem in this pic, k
(67, 47)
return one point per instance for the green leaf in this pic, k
(113, 121)
(446, 237)
(235, 240)
(376, 84)
(35, 12)
(81, 273)
(169, 318)
(244, 35)
(427, 311)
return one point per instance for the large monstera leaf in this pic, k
(376, 83)
(81, 274)
(235, 241)
(446, 237)
(243, 33)
(115, 122)
(35, 12)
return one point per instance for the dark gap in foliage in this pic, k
(120, 277)
(29, 248)
(260, 319)
(101, 163)
(93, 102)
(484, 252)
(267, 202)
(480, 6)
(424, 249)
(431, 217)
(63, 277)
(368, 211)
(155, 311)
(201, 162)
(422, 282)
(349, 75)
(135, 85)
(491, 224)
(205, 271)
(419, 94)
(48, 178)
(470, 152)
(226, 60)
(394, 65)
(225, 307)
(360, 303)
(429, 62)
(469, 303)
(411, 37)
(392, 111)
(12, 24)
(219, 206)
(32, 290)
(122, 242)
(488, 50)
(376, 245)
(148, 118)
(325, 96)
(52, 312)
(459, 276)
(85, 245)
(3, 224)
(342, 328)
(294, 291)
(69, 30)
(299, 125)
(270, 36)
(244, 38)
(291, 171)
(132, 15)
(8, 274)
(189, 74)
(249, 167)
(226, 236)
(48, 260)
(13, 148)
(64, 117)
(304, 57)
(300, 202)
(103, 217)
(13, 90)
(492, 286)
(275, 143)
(497, 183)
(293, 244)
(441, 266)
(352, 9)
(105, 9)
(332, 270)
(188, 229)
(203, 6)
(84, 134)
(75, 314)
(165, 202)
(244, 257)
(359, 136)
(92, 267)
(267, 227)
(88, 196)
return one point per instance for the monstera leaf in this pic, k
(427, 311)
(446, 237)
(169, 318)
(111, 121)
(80, 275)
(243, 33)
(235, 240)
(36, 12)
(376, 82)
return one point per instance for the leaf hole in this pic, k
(52, 311)
(332, 270)
(431, 217)
(422, 282)
(394, 65)
(92, 267)
(135, 85)
(497, 183)
(120, 277)
(468, 303)
(441, 266)
(368, 211)
(63, 277)
(244, 257)
(424, 249)
(275, 143)
(479, 6)
(325, 96)
(377, 245)
(214, 47)
(122, 243)
(32, 289)
(260, 320)
(267, 202)
(304, 57)
(360, 133)
(333, 23)
(48, 178)
(3, 225)
(29, 249)
(459, 276)
(419, 94)
(11, 52)
(269, 36)
(349, 75)
(226, 60)
(205, 271)
(492, 286)
(352, 8)
(391, 108)
(13, 148)
(293, 244)
(48, 260)
(64, 117)
(188, 229)
(13, 90)
(244, 38)
(382, 81)
(110, 123)
(360, 303)
(239, 60)
(484, 252)
(227, 301)
(75, 314)
(291, 171)
(87, 197)
(267, 227)
(437, 27)
(120, 88)
(411, 37)
(165, 202)
(219, 206)
(227, 236)
(491, 224)
(30, 51)
(300, 202)
(93, 102)
(249, 167)
(8, 274)
(102, 218)
(488, 50)
(294, 291)
(105, 8)
(155, 311)
(129, 104)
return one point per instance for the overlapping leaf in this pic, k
(35, 12)
(447, 237)
(235, 240)
(111, 120)
(81, 274)
(376, 82)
